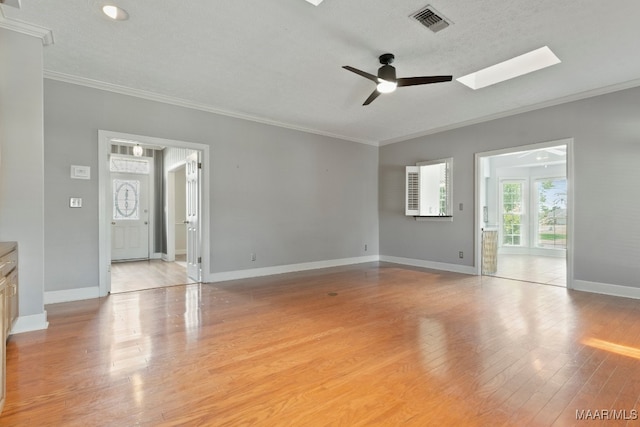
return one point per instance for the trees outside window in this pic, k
(551, 213)
(512, 195)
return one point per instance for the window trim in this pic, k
(524, 219)
(410, 194)
(536, 211)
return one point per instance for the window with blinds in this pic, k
(428, 189)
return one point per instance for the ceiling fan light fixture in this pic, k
(509, 69)
(385, 86)
(315, 2)
(386, 80)
(114, 12)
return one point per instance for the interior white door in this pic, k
(192, 175)
(130, 216)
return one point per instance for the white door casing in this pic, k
(130, 216)
(480, 182)
(192, 174)
(105, 138)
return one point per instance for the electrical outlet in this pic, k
(253, 256)
(460, 254)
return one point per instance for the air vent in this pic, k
(431, 19)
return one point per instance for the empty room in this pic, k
(321, 213)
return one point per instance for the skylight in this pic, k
(514, 67)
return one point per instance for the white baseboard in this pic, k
(181, 251)
(52, 297)
(34, 322)
(606, 289)
(455, 268)
(289, 268)
(66, 295)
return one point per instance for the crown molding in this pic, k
(12, 3)
(151, 96)
(44, 34)
(563, 100)
(96, 84)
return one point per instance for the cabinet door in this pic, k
(12, 300)
(3, 344)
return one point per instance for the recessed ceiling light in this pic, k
(514, 67)
(315, 2)
(115, 12)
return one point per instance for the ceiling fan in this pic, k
(386, 80)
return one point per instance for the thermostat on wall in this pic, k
(80, 172)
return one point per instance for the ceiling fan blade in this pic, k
(362, 73)
(371, 97)
(413, 81)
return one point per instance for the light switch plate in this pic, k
(80, 172)
(75, 202)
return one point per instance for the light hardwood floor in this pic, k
(531, 268)
(366, 345)
(139, 275)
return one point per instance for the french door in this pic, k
(192, 171)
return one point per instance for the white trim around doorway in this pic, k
(478, 223)
(104, 235)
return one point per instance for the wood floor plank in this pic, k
(365, 345)
(147, 274)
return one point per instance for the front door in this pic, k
(192, 171)
(130, 216)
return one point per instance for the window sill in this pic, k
(434, 218)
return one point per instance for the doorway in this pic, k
(524, 215)
(158, 268)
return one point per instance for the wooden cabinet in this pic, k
(12, 300)
(8, 305)
(3, 344)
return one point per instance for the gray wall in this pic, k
(21, 164)
(606, 133)
(288, 196)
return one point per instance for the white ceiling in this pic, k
(280, 61)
